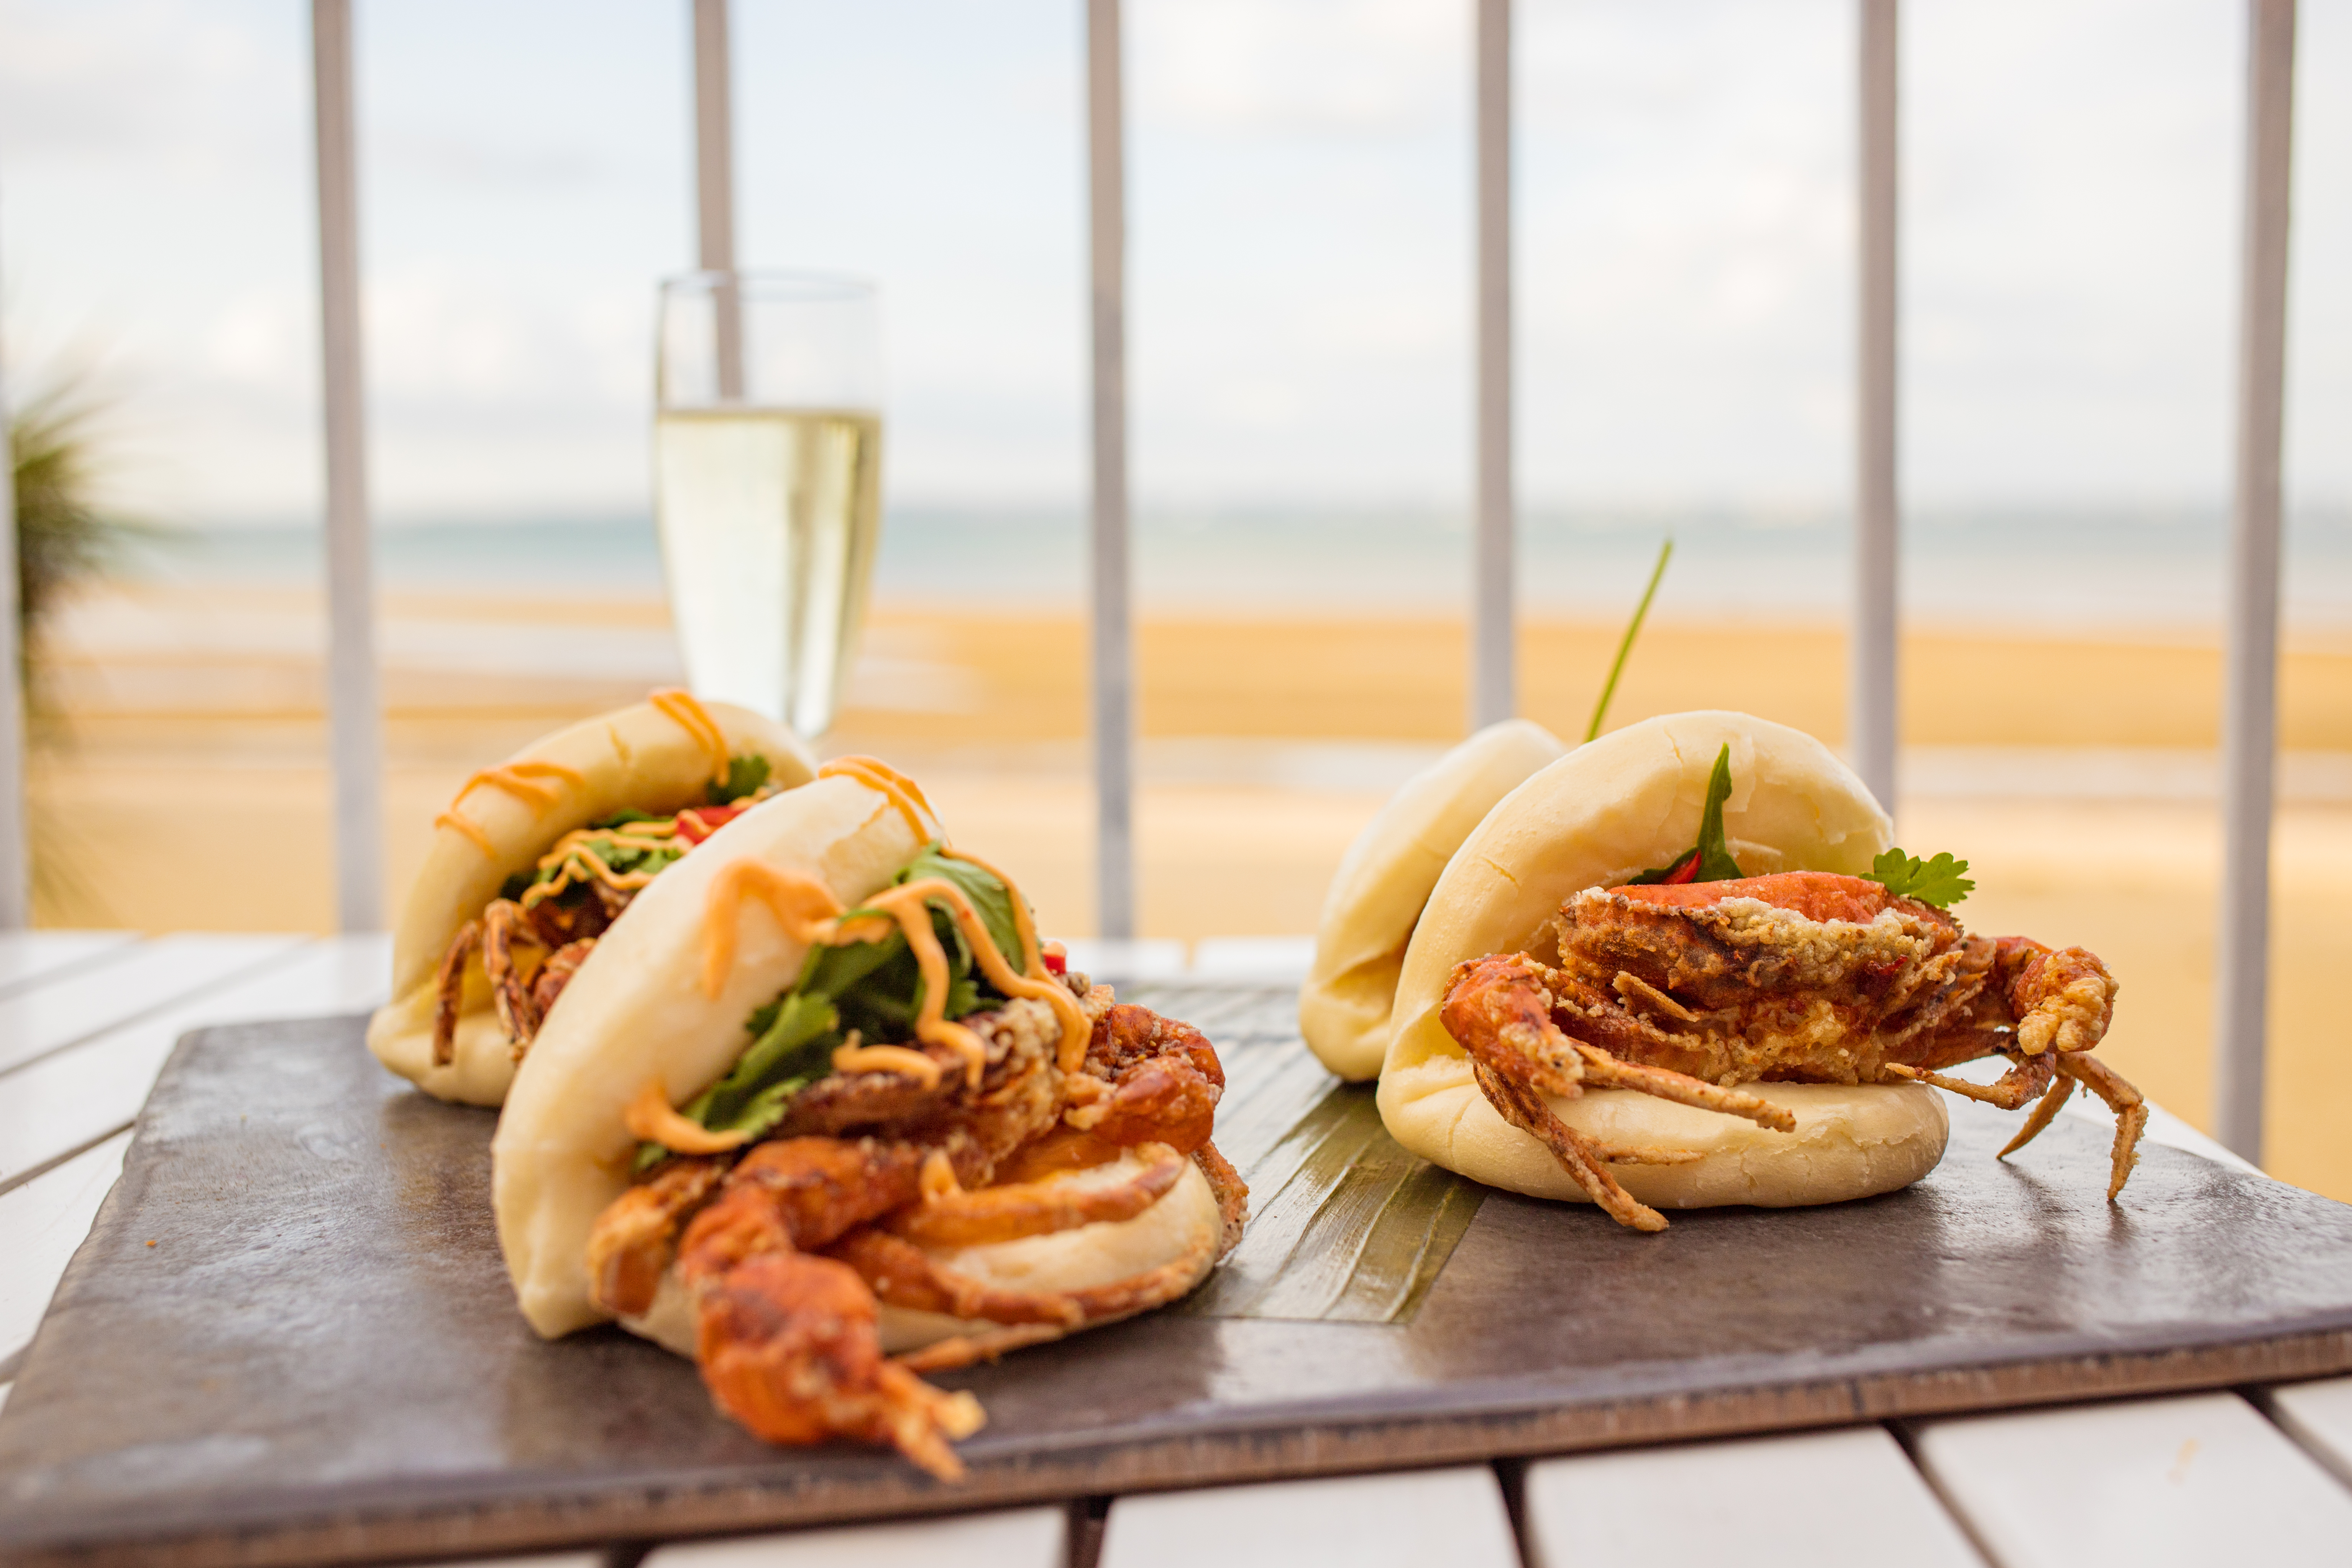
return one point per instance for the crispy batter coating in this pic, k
(636, 1239)
(1164, 1077)
(1687, 992)
(785, 1253)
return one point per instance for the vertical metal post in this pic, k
(1492, 686)
(1114, 644)
(714, 184)
(2248, 721)
(1871, 649)
(15, 870)
(354, 717)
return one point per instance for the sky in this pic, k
(1300, 243)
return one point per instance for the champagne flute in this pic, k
(767, 483)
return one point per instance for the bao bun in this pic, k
(635, 758)
(562, 1153)
(1384, 880)
(1598, 817)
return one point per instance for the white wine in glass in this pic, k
(767, 483)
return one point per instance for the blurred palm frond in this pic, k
(65, 538)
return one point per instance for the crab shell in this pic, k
(1597, 817)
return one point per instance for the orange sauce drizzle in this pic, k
(802, 904)
(692, 716)
(470, 828)
(887, 1059)
(808, 911)
(902, 791)
(517, 779)
(1043, 985)
(650, 1118)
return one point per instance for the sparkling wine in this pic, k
(768, 520)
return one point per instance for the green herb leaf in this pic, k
(1942, 882)
(1715, 861)
(744, 776)
(873, 989)
(990, 898)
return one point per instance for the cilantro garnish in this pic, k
(745, 775)
(873, 989)
(1940, 881)
(1708, 860)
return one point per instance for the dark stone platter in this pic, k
(318, 1359)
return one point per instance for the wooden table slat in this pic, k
(1455, 1516)
(1716, 1502)
(2319, 1417)
(41, 1223)
(2153, 1482)
(1016, 1537)
(151, 975)
(28, 958)
(82, 1093)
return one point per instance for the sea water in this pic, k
(2051, 570)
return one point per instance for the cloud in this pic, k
(1300, 229)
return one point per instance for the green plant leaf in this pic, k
(1714, 859)
(1942, 882)
(745, 775)
(871, 989)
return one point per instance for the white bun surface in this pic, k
(1184, 1224)
(1600, 815)
(636, 1010)
(1385, 878)
(634, 758)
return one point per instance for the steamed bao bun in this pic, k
(1384, 882)
(561, 1153)
(637, 758)
(1600, 816)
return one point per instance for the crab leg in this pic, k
(2043, 1113)
(2022, 1082)
(1605, 1071)
(2131, 1111)
(1526, 1110)
(450, 991)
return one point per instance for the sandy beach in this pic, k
(181, 781)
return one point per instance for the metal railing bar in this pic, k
(354, 715)
(1494, 695)
(2249, 705)
(714, 184)
(1114, 652)
(15, 870)
(1874, 646)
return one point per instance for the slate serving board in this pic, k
(318, 1361)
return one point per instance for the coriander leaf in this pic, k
(1708, 860)
(744, 776)
(1940, 881)
(793, 1046)
(990, 898)
(873, 989)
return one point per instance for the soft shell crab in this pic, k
(1687, 991)
(786, 1247)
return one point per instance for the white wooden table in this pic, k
(2258, 1475)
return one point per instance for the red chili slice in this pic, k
(1685, 870)
(702, 821)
